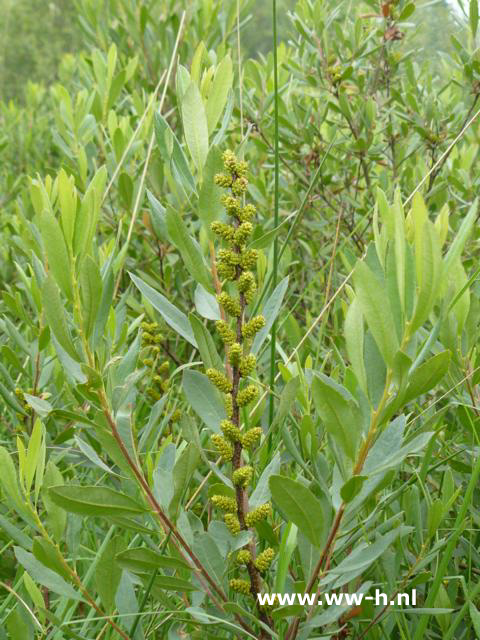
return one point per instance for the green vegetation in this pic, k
(238, 319)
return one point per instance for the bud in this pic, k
(251, 437)
(257, 515)
(243, 557)
(264, 559)
(230, 431)
(240, 586)
(231, 305)
(247, 365)
(219, 380)
(247, 395)
(223, 447)
(225, 332)
(225, 503)
(241, 477)
(232, 523)
(253, 326)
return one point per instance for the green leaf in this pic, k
(91, 293)
(94, 501)
(287, 398)
(54, 311)
(204, 399)
(462, 234)
(142, 560)
(68, 204)
(57, 254)
(217, 96)
(56, 517)
(429, 272)
(189, 250)
(270, 312)
(287, 547)
(172, 153)
(362, 557)
(352, 488)
(206, 304)
(195, 125)
(427, 375)
(45, 576)
(475, 618)
(261, 493)
(210, 206)
(375, 306)
(87, 217)
(207, 551)
(354, 338)
(206, 345)
(171, 583)
(35, 461)
(9, 481)
(39, 405)
(45, 552)
(182, 473)
(338, 411)
(298, 504)
(108, 572)
(172, 316)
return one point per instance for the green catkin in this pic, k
(247, 213)
(247, 365)
(224, 231)
(225, 332)
(223, 447)
(241, 477)
(243, 557)
(258, 514)
(223, 180)
(242, 233)
(251, 437)
(240, 586)
(230, 304)
(225, 503)
(232, 205)
(230, 431)
(253, 326)
(247, 395)
(264, 559)
(228, 406)
(226, 271)
(219, 380)
(249, 258)
(235, 353)
(246, 281)
(232, 522)
(229, 257)
(239, 186)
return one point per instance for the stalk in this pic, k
(233, 268)
(275, 215)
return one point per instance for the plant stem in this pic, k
(275, 214)
(241, 494)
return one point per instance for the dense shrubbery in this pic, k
(224, 371)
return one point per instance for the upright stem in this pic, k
(275, 214)
(241, 494)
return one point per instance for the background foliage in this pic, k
(117, 516)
